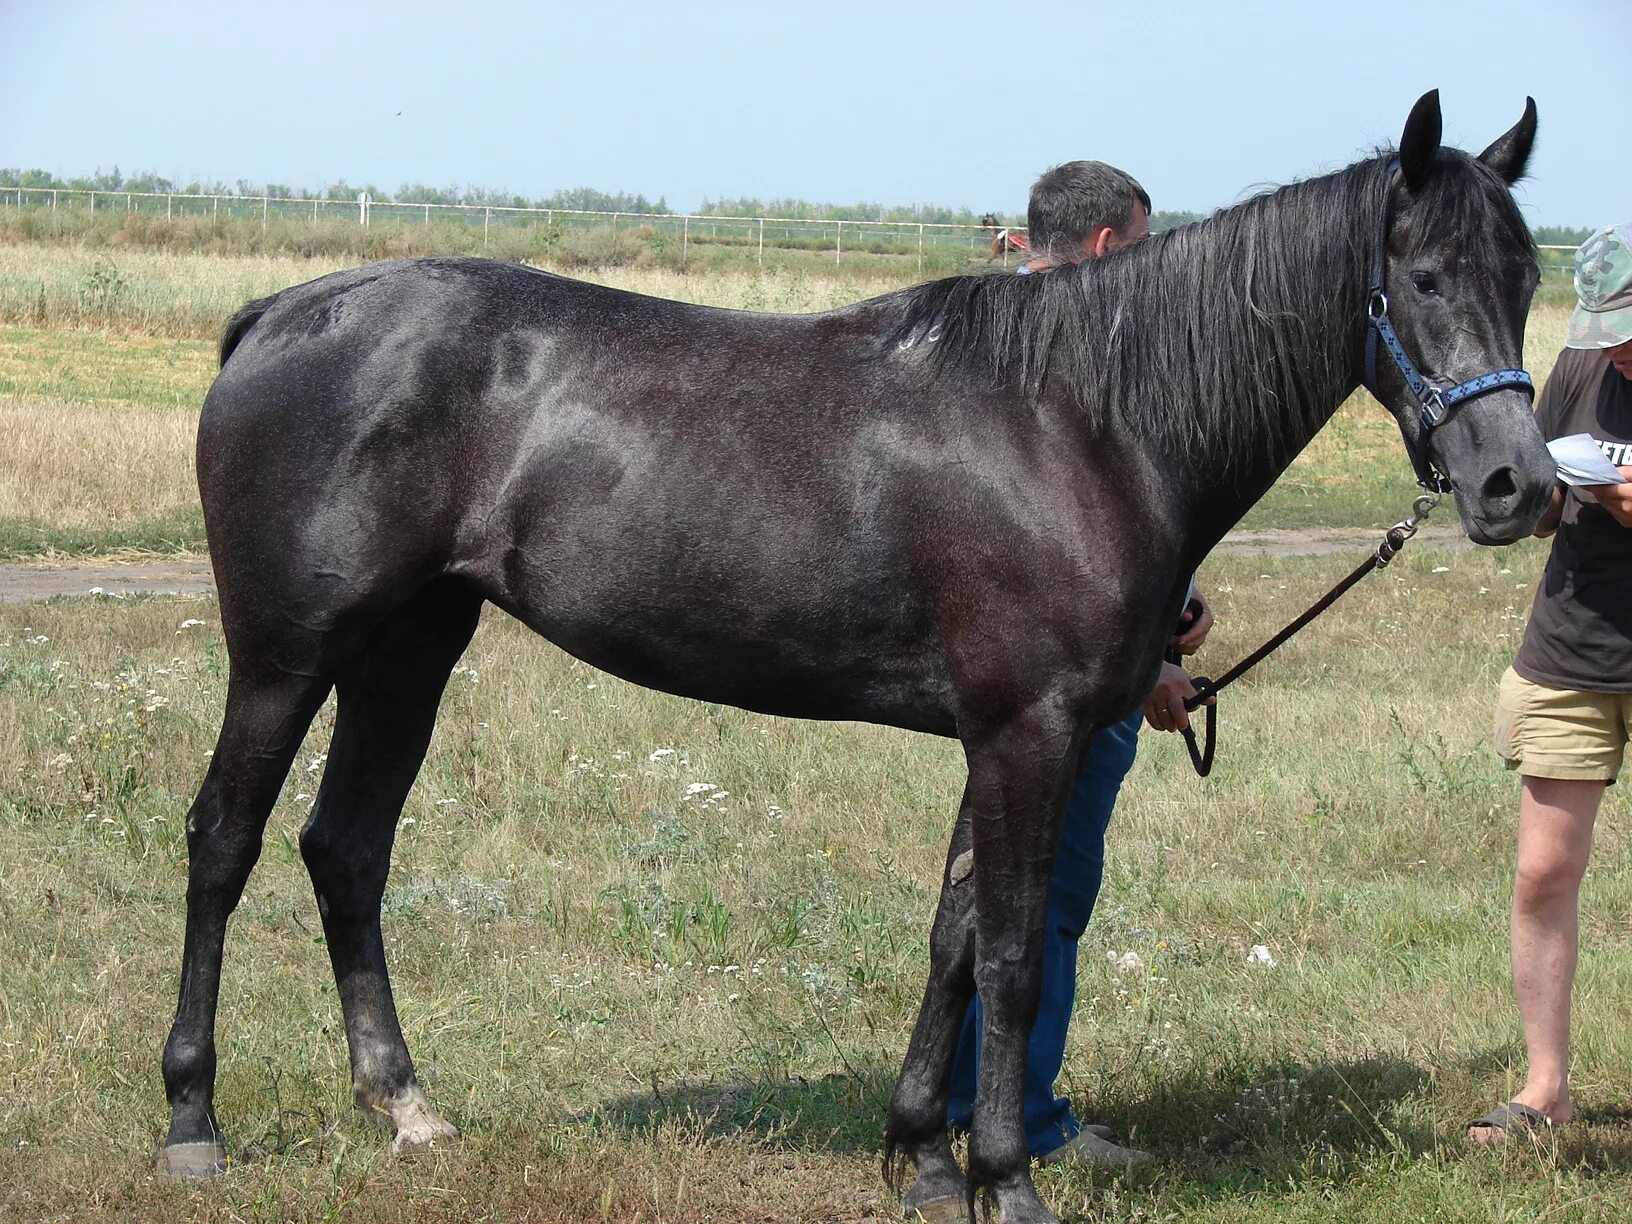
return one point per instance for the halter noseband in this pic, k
(1434, 403)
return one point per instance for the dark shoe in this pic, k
(1513, 1118)
(1093, 1152)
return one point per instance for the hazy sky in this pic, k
(897, 103)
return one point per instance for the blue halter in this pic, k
(1434, 403)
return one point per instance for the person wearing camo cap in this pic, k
(1565, 706)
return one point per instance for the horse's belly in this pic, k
(743, 639)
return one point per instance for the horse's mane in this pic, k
(1217, 334)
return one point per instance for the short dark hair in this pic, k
(1070, 201)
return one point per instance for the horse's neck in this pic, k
(1309, 340)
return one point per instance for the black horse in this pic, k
(970, 508)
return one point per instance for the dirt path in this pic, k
(191, 575)
(171, 576)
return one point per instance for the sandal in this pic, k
(1513, 1117)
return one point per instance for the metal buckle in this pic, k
(1377, 307)
(1433, 408)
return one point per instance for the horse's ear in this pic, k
(1420, 143)
(1510, 152)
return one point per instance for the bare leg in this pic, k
(264, 724)
(387, 708)
(917, 1124)
(1555, 839)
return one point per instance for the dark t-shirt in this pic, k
(1580, 631)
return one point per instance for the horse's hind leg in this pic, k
(387, 707)
(266, 717)
(917, 1125)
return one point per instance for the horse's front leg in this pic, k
(917, 1126)
(1018, 777)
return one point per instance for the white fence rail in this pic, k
(839, 236)
(904, 238)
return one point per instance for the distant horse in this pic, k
(969, 508)
(1005, 240)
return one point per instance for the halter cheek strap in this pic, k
(1434, 403)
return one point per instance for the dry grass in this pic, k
(192, 295)
(79, 465)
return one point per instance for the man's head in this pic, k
(1603, 292)
(1085, 209)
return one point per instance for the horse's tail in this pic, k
(238, 326)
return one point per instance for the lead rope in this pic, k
(1393, 541)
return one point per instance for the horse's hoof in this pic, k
(426, 1135)
(184, 1161)
(937, 1209)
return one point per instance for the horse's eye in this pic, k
(1425, 282)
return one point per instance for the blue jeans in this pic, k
(1079, 865)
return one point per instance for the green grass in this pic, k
(175, 534)
(90, 366)
(636, 1003)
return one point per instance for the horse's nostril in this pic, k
(1500, 484)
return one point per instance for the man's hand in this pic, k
(1164, 708)
(1617, 499)
(1195, 622)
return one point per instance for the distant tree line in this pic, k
(585, 198)
(928, 214)
(1560, 235)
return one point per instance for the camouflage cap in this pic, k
(1603, 290)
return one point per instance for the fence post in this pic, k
(762, 242)
(427, 216)
(685, 240)
(168, 201)
(93, 201)
(487, 220)
(920, 248)
(263, 214)
(215, 208)
(53, 200)
(838, 243)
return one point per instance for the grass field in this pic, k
(659, 959)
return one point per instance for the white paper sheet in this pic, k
(1580, 462)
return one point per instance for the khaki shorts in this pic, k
(1560, 733)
